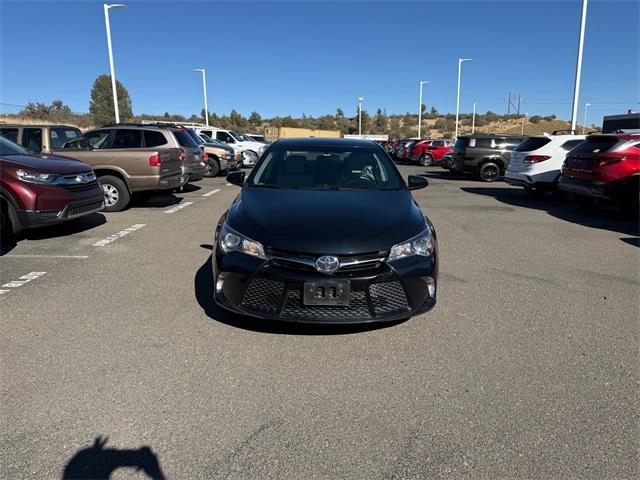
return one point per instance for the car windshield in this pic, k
(7, 147)
(195, 136)
(239, 137)
(326, 168)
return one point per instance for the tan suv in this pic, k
(39, 138)
(130, 159)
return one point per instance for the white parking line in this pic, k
(208, 194)
(45, 256)
(229, 184)
(120, 234)
(18, 283)
(178, 207)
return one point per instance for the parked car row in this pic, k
(131, 158)
(594, 167)
(425, 152)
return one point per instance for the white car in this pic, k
(234, 139)
(535, 163)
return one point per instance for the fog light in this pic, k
(431, 286)
(220, 281)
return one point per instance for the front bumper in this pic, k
(271, 290)
(41, 218)
(228, 164)
(585, 188)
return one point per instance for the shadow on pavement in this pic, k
(97, 462)
(442, 174)
(63, 229)
(155, 200)
(203, 285)
(605, 217)
(190, 187)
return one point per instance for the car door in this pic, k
(90, 148)
(32, 139)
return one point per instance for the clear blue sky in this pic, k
(289, 58)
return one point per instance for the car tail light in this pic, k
(155, 160)
(536, 158)
(610, 160)
(183, 154)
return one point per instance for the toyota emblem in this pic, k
(327, 264)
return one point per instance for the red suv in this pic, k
(428, 152)
(36, 191)
(605, 167)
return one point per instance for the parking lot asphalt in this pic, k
(526, 368)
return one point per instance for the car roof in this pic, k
(37, 125)
(323, 142)
(491, 135)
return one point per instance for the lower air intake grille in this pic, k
(263, 295)
(357, 309)
(388, 297)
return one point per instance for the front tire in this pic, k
(426, 160)
(489, 172)
(212, 168)
(116, 193)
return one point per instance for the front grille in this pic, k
(388, 297)
(263, 295)
(270, 297)
(79, 210)
(81, 187)
(357, 309)
(305, 261)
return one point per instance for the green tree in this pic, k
(434, 111)
(380, 122)
(101, 105)
(339, 113)
(255, 119)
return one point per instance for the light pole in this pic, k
(584, 123)
(460, 62)
(473, 119)
(576, 86)
(360, 99)
(204, 88)
(420, 109)
(107, 7)
(523, 118)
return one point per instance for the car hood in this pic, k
(326, 222)
(46, 163)
(219, 147)
(252, 145)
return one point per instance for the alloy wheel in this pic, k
(111, 195)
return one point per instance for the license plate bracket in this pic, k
(326, 293)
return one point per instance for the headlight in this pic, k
(40, 178)
(232, 241)
(419, 245)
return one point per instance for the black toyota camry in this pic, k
(326, 231)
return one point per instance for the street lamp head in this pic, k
(462, 60)
(424, 81)
(198, 69)
(115, 5)
(587, 104)
(360, 99)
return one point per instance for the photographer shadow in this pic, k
(97, 462)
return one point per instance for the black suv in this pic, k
(486, 156)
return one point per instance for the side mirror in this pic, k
(237, 178)
(415, 182)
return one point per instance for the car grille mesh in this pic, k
(388, 297)
(263, 295)
(271, 297)
(84, 209)
(81, 187)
